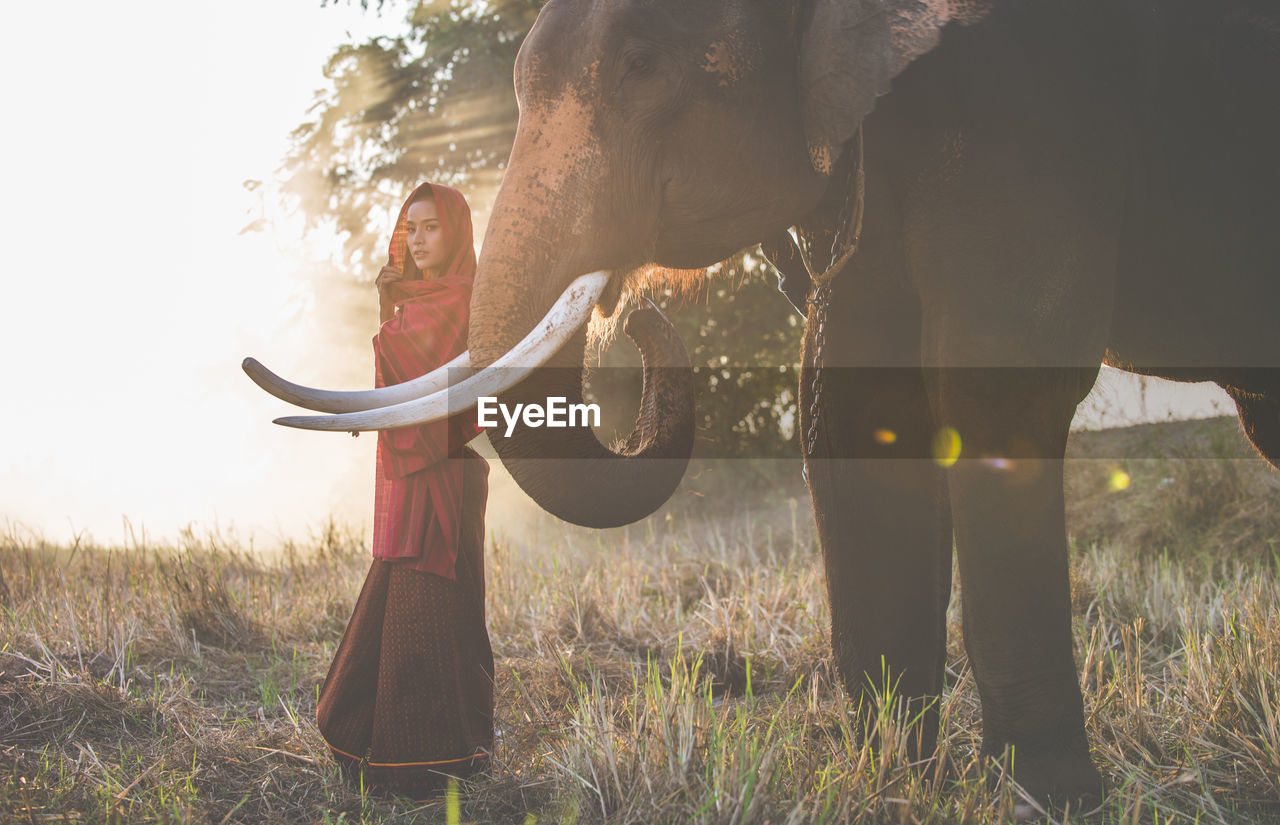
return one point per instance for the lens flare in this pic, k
(1118, 480)
(946, 447)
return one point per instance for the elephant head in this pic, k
(645, 137)
(670, 134)
(657, 136)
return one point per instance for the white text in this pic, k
(557, 412)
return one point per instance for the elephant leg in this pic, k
(1006, 494)
(1015, 255)
(1260, 417)
(880, 505)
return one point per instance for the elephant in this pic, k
(1041, 188)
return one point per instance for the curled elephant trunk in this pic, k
(570, 473)
(543, 232)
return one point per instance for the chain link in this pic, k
(847, 234)
(820, 301)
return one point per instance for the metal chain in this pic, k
(849, 231)
(820, 301)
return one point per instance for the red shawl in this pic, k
(418, 492)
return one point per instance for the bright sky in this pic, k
(130, 298)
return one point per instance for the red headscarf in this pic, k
(418, 493)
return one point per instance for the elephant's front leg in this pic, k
(1014, 253)
(1007, 506)
(881, 510)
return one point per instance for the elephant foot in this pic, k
(912, 721)
(1052, 780)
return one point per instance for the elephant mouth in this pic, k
(448, 390)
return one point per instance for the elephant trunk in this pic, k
(567, 470)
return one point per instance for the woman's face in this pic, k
(425, 238)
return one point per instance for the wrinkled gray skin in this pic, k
(1050, 186)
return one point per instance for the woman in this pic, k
(409, 696)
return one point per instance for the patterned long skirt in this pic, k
(409, 696)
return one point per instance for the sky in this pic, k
(130, 297)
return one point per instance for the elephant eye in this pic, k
(640, 65)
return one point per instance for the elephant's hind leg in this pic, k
(1260, 417)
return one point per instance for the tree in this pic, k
(437, 103)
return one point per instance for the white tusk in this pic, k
(545, 340)
(336, 401)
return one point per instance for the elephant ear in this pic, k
(850, 52)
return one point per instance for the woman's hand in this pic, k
(388, 275)
(386, 307)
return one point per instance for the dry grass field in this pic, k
(675, 671)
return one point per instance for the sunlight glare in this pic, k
(946, 447)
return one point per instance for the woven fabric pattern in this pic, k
(409, 696)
